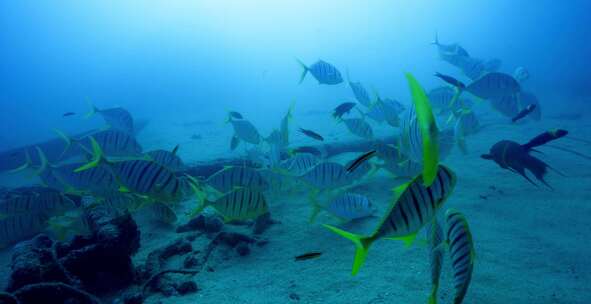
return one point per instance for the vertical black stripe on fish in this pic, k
(462, 258)
(131, 168)
(415, 202)
(141, 177)
(404, 216)
(155, 177)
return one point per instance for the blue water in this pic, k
(179, 66)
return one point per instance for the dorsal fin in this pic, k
(175, 149)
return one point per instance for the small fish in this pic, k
(308, 256)
(359, 160)
(526, 111)
(68, 114)
(323, 71)
(483, 197)
(196, 137)
(342, 109)
(454, 82)
(461, 252)
(414, 206)
(239, 204)
(311, 134)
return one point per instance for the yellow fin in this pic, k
(407, 239)
(429, 131)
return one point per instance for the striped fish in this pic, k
(327, 175)
(360, 93)
(300, 163)
(351, 206)
(229, 178)
(162, 213)
(168, 159)
(149, 178)
(118, 202)
(114, 143)
(116, 118)
(411, 139)
(359, 127)
(435, 237)
(99, 180)
(49, 202)
(414, 206)
(389, 153)
(239, 204)
(246, 131)
(494, 85)
(21, 227)
(461, 252)
(323, 71)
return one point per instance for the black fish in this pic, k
(308, 256)
(360, 160)
(311, 134)
(530, 108)
(454, 82)
(343, 108)
(515, 157)
(68, 114)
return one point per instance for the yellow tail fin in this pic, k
(97, 156)
(362, 244)
(429, 131)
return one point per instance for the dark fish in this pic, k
(68, 114)
(516, 158)
(358, 161)
(454, 82)
(235, 115)
(343, 108)
(311, 134)
(461, 252)
(530, 108)
(308, 256)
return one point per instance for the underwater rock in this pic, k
(98, 263)
(8, 298)
(157, 258)
(34, 262)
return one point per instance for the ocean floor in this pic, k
(531, 242)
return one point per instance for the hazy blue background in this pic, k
(190, 60)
